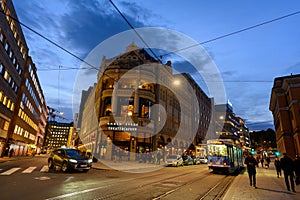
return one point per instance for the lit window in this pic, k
(16, 129)
(6, 75)
(1, 37)
(6, 47)
(12, 107)
(6, 124)
(5, 100)
(8, 103)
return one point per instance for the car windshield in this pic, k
(73, 152)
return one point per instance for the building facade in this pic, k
(285, 107)
(123, 98)
(59, 134)
(23, 112)
(230, 126)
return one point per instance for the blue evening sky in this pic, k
(248, 61)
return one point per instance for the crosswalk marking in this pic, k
(9, 172)
(28, 170)
(44, 169)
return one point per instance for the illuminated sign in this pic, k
(122, 127)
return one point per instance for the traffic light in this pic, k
(277, 153)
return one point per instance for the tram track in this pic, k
(123, 192)
(197, 183)
(218, 191)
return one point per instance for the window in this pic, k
(6, 75)
(1, 68)
(11, 54)
(12, 107)
(6, 47)
(1, 37)
(4, 100)
(8, 104)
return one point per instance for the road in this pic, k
(30, 179)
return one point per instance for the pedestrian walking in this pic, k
(251, 163)
(262, 161)
(297, 169)
(287, 165)
(278, 167)
(257, 160)
(267, 162)
(11, 152)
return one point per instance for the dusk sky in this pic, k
(248, 61)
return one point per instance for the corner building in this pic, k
(285, 107)
(23, 113)
(123, 102)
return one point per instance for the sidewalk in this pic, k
(6, 158)
(269, 187)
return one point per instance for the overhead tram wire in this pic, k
(54, 43)
(234, 33)
(132, 27)
(204, 42)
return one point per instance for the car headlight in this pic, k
(90, 160)
(73, 161)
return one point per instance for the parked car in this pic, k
(174, 160)
(196, 160)
(187, 160)
(203, 159)
(69, 159)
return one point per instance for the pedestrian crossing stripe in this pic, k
(28, 170)
(44, 168)
(9, 172)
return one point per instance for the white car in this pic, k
(174, 160)
(203, 159)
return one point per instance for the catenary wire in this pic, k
(204, 42)
(234, 32)
(132, 27)
(52, 42)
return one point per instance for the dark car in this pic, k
(187, 160)
(196, 160)
(69, 159)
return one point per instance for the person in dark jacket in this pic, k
(278, 167)
(287, 165)
(251, 163)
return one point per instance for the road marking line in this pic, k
(9, 172)
(28, 170)
(77, 193)
(44, 168)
